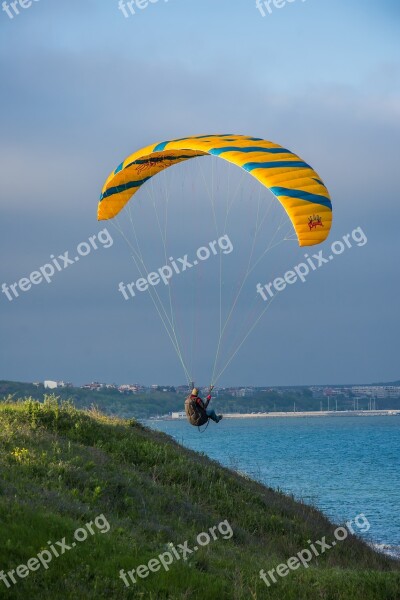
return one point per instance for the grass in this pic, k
(61, 468)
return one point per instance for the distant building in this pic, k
(128, 388)
(376, 391)
(333, 392)
(94, 386)
(178, 415)
(393, 391)
(50, 385)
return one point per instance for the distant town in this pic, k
(355, 392)
(139, 401)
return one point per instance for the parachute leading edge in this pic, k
(297, 186)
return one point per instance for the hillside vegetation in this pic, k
(133, 492)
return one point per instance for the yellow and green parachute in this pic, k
(297, 186)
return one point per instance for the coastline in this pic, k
(324, 413)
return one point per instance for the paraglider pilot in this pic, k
(197, 410)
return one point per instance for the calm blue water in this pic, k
(345, 465)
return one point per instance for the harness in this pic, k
(195, 413)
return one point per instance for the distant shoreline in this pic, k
(319, 413)
(323, 413)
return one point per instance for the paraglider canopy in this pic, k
(296, 185)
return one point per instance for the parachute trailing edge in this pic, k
(296, 185)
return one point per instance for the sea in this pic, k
(345, 466)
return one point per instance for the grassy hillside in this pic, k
(125, 493)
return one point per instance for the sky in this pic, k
(83, 86)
